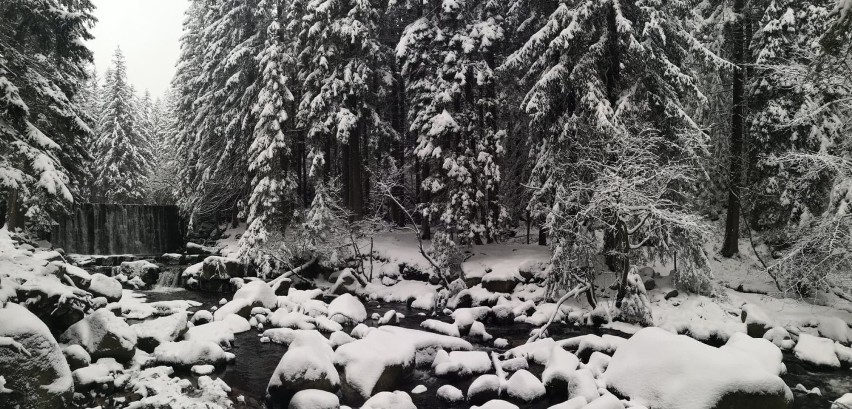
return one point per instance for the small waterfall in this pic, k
(105, 228)
(170, 277)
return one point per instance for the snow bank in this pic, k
(658, 369)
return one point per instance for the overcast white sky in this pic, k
(148, 32)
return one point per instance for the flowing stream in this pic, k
(249, 374)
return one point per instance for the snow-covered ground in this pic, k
(118, 347)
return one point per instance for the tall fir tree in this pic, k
(123, 152)
(43, 64)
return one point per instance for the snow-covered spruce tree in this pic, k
(272, 201)
(793, 111)
(343, 76)
(216, 89)
(447, 59)
(613, 83)
(42, 132)
(123, 152)
(164, 179)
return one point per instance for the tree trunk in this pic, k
(732, 223)
(623, 239)
(15, 219)
(542, 235)
(425, 229)
(355, 183)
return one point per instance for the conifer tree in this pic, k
(123, 152)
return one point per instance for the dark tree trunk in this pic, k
(15, 218)
(425, 229)
(732, 223)
(353, 177)
(613, 76)
(542, 235)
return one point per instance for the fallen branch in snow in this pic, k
(294, 272)
(501, 374)
(8, 342)
(573, 293)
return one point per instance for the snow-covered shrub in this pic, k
(447, 255)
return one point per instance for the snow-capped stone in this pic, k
(418, 389)
(757, 321)
(307, 364)
(461, 363)
(598, 363)
(390, 318)
(844, 354)
(835, 329)
(450, 394)
(524, 386)
(496, 404)
(314, 399)
(477, 331)
(780, 337)
(555, 376)
(816, 350)
(483, 389)
(103, 286)
(441, 327)
(98, 373)
(35, 372)
(205, 369)
(537, 351)
(375, 363)
(103, 335)
(145, 270)
(252, 294)
(186, 354)
(764, 352)
(842, 402)
(389, 400)
(76, 356)
(339, 338)
(582, 383)
(514, 364)
(605, 402)
(157, 331)
(201, 317)
(347, 308)
(643, 368)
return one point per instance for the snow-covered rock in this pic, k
(347, 308)
(103, 286)
(252, 294)
(339, 338)
(461, 363)
(605, 402)
(555, 376)
(419, 389)
(103, 335)
(450, 394)
(314, 399)
(150, 334)
(843, 402)
(76, 356)
(780, 337)
(757, 321)
(816, 350)
(844, 354)
(307, 364)
(145, 270)
(375, 363)
(389, 400)
(203, 369)
(524, 386)
(598, 363)
(441, 327)
(186, 354)
(97, 374)
(483, 389)
(35, 372)
(835, 329)
(201, 317)
(764, 352)
(581, 383)
(496, 404)
(537, 351)
(658, 369)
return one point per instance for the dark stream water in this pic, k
(249, 374)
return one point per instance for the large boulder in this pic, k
(307, 364)
(378, 362)
(151, 334)
(186, 354)
(220, 268)
(658, 369)
(346, 308)
(147, 271)
(36, 373)
(501, 282)
(250, 295)
(103, 286)
(314, 399)
(757, 321)
(103, 335)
